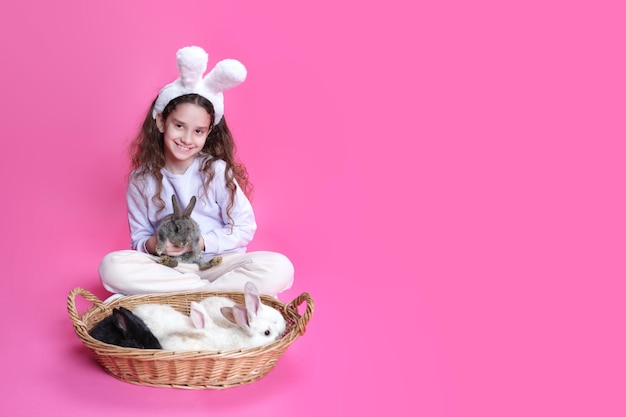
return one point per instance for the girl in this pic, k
(185, 148)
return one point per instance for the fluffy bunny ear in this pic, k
(192, 63)
(252, 298)
(198, 315)
(227, 73)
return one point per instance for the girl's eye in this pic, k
(178, 125)
(200, 132)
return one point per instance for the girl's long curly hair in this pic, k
(147, 152)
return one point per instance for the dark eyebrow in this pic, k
(176, 121)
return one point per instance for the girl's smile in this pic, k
(184, 134)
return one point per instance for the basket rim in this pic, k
(288, 310)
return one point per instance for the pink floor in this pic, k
(447, 177)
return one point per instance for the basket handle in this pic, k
(71, 305)
(308, 313)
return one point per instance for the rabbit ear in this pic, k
(252, 298)
(237, 315)
(198, 315)
(241, 318)
(190, 206)
(227, 312)
(130, 321)
(175, 205)
(121, 321)
(135, 331)
(227, 73)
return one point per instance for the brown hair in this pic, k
(147, 151)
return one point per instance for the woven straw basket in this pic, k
(192, 369)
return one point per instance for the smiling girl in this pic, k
(185, 148)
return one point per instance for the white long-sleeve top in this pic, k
(220, 236)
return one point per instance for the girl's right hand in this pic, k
(173, 250)
(170, 248)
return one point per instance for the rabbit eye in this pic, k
(267, 333)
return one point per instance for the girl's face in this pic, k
(184, 134)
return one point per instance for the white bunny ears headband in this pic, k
(192, 63)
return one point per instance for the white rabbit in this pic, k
(221, 324)
(257, 311)
(163, 319)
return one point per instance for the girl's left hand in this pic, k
(173, 250)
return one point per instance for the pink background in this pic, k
(446, 176)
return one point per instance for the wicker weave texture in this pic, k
(189, 369)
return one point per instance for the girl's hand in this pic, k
(173, 250)
(170, 248)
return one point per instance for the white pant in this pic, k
(132, 272)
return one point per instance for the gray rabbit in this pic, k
(181, 230)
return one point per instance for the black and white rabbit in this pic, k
(181, 230)
(123, 328)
